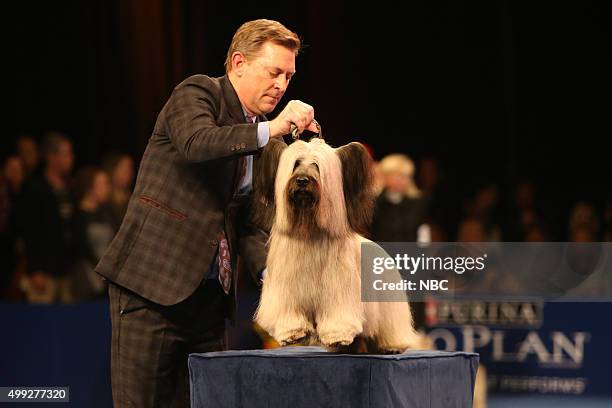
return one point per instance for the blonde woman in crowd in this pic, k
(400, 212)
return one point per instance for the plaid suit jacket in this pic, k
(183, 195)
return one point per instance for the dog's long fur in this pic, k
(316, 201)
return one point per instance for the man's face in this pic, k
(63, 159)
(28, 151)
(263, 78)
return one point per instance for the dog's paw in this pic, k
(293, 336)
(393, 350)
(337, 339)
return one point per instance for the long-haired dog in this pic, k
(316, 201)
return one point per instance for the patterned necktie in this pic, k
(225, 264)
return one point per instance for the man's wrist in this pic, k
(274, 130)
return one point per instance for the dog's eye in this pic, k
(297, 163)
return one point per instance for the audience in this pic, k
(52, 232)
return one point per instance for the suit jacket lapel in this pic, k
(233, 103)
(237, 114)
(235, 107)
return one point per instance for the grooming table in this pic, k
(308, 377)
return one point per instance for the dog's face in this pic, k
(303, 196)
(309, 188)
(303, 189)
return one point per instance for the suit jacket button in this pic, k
(214, 242)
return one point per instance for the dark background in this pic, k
(497, 90)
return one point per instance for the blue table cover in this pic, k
(310, 377)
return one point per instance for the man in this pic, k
(11, 183)
(27, 150)
(172, 265)
(48, 224)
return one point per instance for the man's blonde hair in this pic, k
(249, 38)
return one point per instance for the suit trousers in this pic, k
(151, 343)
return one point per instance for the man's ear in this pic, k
(238, 60)
(358, 182)
(264, 177)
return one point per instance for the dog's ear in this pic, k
(264, 176)
(358, 182)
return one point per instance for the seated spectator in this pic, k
(94, 232)
(522, 218)
(488, 282)
(442, 211)
(584, 223)
(483, 206)
(471, 230)
(48, 223)
(11, 243)
(536, 233)
(400, 210)
(120, 168)
(27, 150)
(607, 221)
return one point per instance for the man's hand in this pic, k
(296, 112)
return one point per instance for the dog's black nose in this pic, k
(302, 181)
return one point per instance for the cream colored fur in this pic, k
(313, 283)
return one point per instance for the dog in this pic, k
(317, 202)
